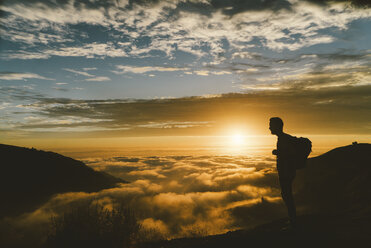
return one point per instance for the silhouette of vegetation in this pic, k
(94, 225)
(336, 230)
(197, 231)
(150, 235)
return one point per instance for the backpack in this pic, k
(302, 147)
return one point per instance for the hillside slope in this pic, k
(320, 231)
(30, 177)
(338, 180)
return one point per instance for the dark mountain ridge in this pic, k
(29, 177)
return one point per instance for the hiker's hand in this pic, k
(274, 152)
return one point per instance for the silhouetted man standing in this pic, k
(285, 165)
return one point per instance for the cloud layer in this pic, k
(310, 108)
(181, 195)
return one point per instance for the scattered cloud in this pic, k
(98, 79)
(144, 69)
(79, 72)
(202, 73)
(22, 92)
(25, 55)
(6, 75)
(92, 50)
(60, 89)
(211, 29)
(184, 124)
(92, 78)
(89, 68)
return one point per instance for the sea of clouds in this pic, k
(178, 196)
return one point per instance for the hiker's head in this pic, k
(276, 125)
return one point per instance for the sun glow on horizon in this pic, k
(238, 139)
(238, 136)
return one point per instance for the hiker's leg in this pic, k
(287, 196)
(290, 203)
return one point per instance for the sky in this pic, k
(168, 95)
(94, 72)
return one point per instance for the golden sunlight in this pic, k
(237, 139)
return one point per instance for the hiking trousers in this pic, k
(286, 178)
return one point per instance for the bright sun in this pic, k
(237, 139)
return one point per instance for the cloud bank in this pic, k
(180, 195)
(310, 108)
